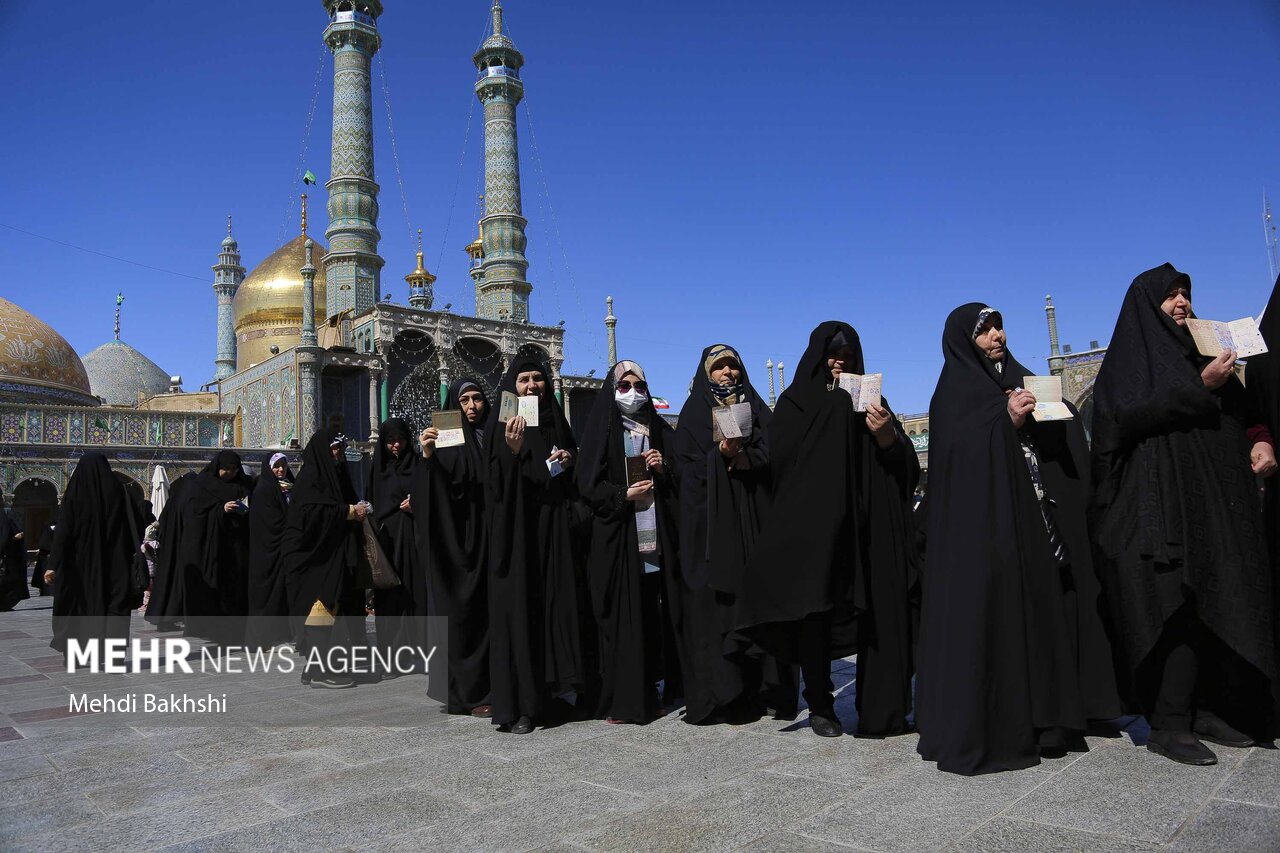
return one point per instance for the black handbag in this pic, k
(374, 570)
(139, 577)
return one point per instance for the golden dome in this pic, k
(37, 363)
(268, 305)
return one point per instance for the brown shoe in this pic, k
(484, 712)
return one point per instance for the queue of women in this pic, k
(1041, 589)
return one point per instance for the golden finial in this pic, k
(421, 270)
(304, 214)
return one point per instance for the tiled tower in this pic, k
(502, 293)
(352, 268)
(227, 275)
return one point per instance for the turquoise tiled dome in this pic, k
(117, 372)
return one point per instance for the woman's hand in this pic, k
(640, 491)
(404, 505)
(730, 447)
(1263, 458)
(229, 506)
(1020, 405)
(564, 457)
(48, 577)
(514, 433)
(653, 459)
(880, 422)
(1217, 372)
(427, 439)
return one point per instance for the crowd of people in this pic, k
(1042, 587)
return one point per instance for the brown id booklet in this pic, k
(637, 470)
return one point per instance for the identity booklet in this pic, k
(731, 421)
(449, 424)
(865, 390)
(1214, 337)
(1048, 393)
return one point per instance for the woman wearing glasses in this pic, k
(539, 630)
(625, 479)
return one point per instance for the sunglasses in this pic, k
(625, 385)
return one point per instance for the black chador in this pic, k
(887, 472)
(723, 502)
(449, 517)
(633, 570)
(13, 561)
(97, 535)
(321, 549)
(166, 608)
(42, 559)
(540, 636)
(268, 601)
(1013, 658)
(797, 598)
(1179, 535)
(213, 550)
(390, 479)
(1262, 377)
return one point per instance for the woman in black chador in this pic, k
(449, 517)
(97, 535)
(166, 606)
(13, 561)
(268, 601)
(1013, 656)
(1179, 537)
(541, 644)
(391, 476)
(797, 599)
(213, 550)
(1262, 378)
(633, 570)
(321, 547)
(723, 502)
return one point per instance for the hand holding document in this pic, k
(731, 421)
(637, 470)
(449, 426)
(865, 390)
(1048, 393)
(1214, 337)
(512, 406)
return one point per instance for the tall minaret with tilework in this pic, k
(227, 275)
(502, 293)
(352, 267)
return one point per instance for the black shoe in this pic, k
(825, 726)
(1182, 747)
(306, 678)
(1052, 742)
(333, 682)
(522, 726)
(1214, 729)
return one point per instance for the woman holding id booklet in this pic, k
(541, 645)
(626, 480)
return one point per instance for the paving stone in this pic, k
(793, 842)
(1256, 780)
(1226, 825)
(920, 810)
(722, 817)
(526, 823)
(377, 744)
(1127, 792)
(854, 762)
(155, 828)
(204, 782)
(24, 766)
(357, 823)
(45, 816)
(51, 786)
(1004, 835)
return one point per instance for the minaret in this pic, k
(119, 302)
(227, 275)
(782, 377)
(352, 268)
(773, 399)
(420, 292)
(1055, 352)
(502, 292)
(611, 323)
(308, 270)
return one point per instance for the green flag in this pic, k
(100, 424)
(309, 177)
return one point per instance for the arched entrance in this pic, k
(35, 502)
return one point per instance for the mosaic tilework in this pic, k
(11, 427)
(135, 430)
(35, 425)
(189, 436)
(172, 431)
(55, 428)
(77, 429)
(208, 433)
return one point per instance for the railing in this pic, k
(499, 71)
(352, 17)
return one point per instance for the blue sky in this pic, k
(728, 171)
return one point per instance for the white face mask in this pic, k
(629, 402)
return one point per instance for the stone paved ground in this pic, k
(451, 783)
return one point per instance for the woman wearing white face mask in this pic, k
(631, 571)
